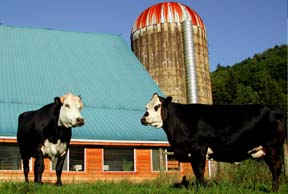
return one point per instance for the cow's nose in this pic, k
(143, 121)
(80, 121)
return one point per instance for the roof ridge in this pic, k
(85, 106)
(114, 108)
(56, 30)
(20, 103)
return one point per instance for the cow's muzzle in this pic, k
(79, 121)
(143, 121)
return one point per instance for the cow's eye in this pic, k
(157, 107)
(67, 105)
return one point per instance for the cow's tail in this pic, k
(281, 118)
(284, 121)
(285, 127)
(20, 119)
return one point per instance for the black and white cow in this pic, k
(46, 133)
(222, 133)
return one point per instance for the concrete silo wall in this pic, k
(202, 66)
(159, 47)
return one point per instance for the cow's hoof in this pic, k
(39, 182)
(184, 183)
(58, 184)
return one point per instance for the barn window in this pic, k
(65, 166)
(10, 158)
(75, 160)
(118, 159)
(164, 160)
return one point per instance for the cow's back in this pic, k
(31, 125)
(232, 119)
(246, 124)
(227, 129)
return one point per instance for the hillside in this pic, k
(261, 79)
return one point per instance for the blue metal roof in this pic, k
(38, 65)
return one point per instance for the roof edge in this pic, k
(118, 141)
(6, 139)
(59, 30)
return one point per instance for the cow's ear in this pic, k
(167, 101)
(155, 95)
(57, 100)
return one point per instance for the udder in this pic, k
(53, 150)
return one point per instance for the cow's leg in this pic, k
(38, 168)
(198, 161)
(274, 162)
(59, 167)
(26, 168)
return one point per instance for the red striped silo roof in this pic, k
(166, 12)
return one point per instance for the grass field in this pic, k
(248, 178)
(154, 187)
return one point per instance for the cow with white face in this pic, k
(219, 132)
(153, 113)
(46, 133)
(69, 115)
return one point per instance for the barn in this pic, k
(40, 64)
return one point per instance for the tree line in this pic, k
(261, 79)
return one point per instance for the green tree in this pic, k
(261, 79)
(246, 95)
(268, 89)
(231, 87)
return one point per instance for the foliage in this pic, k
(261, 79)
(252, 174)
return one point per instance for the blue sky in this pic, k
(236, 29)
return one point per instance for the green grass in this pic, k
(133, 188)
(248, 178)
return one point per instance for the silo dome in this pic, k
(167, 12)
(158, 40)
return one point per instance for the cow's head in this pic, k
(156, 111)
(69, 115)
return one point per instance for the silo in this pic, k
(170, 40)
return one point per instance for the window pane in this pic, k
(158, 159)
(155, 160)
(167, 162)
(10, 158)
(118, 159)
(76, 158)
(54, 163)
